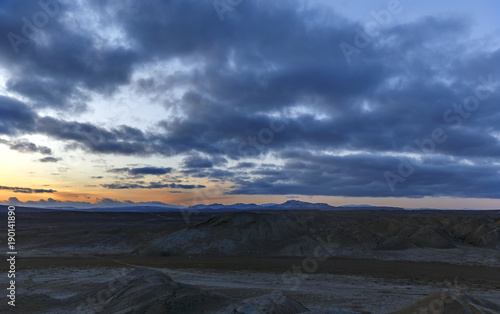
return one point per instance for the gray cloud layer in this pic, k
(270, 60)
(26, 190)
(24, 146)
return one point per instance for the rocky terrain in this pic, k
(261, 261)
(446, 302)
(149, 291)
(360, 234)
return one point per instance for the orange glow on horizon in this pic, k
(190, 198)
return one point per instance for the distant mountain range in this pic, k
(211, 208)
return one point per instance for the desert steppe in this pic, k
(294, 261)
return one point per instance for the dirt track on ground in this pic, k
(437, 272)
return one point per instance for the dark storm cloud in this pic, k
(27, 147)
(26, 190)
(55, 62)
(96, 139)
(216, 175)
(272, 76)
(49, 93)
(197, 162)
(24, 146)
(151, 185)
(362, 175)
(269, 79)
(243, 165)
(16, 117)
(265, 37)
(142, 171)
(49, 159)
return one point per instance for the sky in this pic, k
(389, 103)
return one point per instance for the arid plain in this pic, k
(293, 261)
